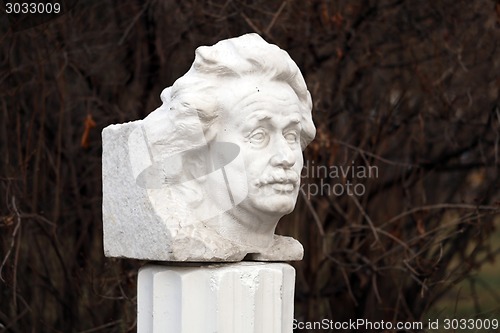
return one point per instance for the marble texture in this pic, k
(225, 298)
(208, 175)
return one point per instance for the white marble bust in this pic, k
(215, 167)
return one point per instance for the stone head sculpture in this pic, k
(215, 167)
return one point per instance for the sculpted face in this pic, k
(263, 119)
(214, 168)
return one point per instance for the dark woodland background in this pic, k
(412, 87)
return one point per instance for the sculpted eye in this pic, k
(258, 137)
(292, 137)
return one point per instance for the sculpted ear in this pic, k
(196, 165)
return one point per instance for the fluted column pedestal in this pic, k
(244, 297)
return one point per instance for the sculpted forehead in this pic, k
(243, 99)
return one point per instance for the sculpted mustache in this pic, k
(288, 176)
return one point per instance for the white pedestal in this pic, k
(244, 297)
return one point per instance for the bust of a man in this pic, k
(219, 161)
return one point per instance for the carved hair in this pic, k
(193, 97)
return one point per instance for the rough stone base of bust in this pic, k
(134, 229)
(227, 298)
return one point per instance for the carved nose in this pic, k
(283, 155)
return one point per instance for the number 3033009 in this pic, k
(32, 8)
